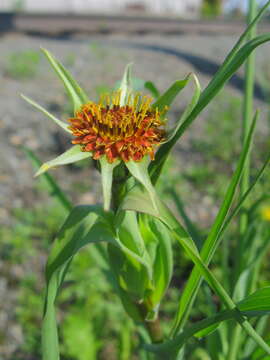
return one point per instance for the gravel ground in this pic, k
(98, 60)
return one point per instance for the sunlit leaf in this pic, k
(45, 112)
(256, 304)
(229, 67)
(74, 91)
(129, 238)
(193, 102)
(126, 85)
(84, 225)
(106, 179)
(70, 156)
(213, 238)
(167, 98)
(149, 85)
(140, 171)
(159, 242)
(188, 245)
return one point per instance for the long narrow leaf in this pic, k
(85, 224)
(106, 179)
(68, 157)
(126, 85)
(188, 245)
(247, 31)
(140, 172)
(74, 91)
(45, 112)
(167, 98)
(212, 241)
(149, 85)
(172, 133)
(215, 85)
(193, 102)
(190, 226)
(257, 304)
(245, 195)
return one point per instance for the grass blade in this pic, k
(255, 305)
(190, 226)
(212, 241)
(166, 99)
(245, 195)
(216, 84)
(193, 102)
(179, 233)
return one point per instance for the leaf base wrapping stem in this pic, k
(153, 326)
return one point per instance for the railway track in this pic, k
(58, 24)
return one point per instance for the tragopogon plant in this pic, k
(128, 138)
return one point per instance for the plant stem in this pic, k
(248, 104)
(244, 184)
(154, 330)
(153, 326)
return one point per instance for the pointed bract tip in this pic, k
(42, 170)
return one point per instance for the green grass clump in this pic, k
(22, 64)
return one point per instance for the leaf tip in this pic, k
(45, 167)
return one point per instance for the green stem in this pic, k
(244, 184)
(248, 109)
(249, 90)
(190, 331)
(235, 342)
(154, 330)
(153, 327)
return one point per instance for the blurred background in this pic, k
(95, 39)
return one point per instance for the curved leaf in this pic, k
(126, 85)
(84, 225)
(158, 241)
(45, 112)
(140, 171)
(76, 94)
(106, 179)
(189, 108)
(70, 156)
(189, 246)
(256, 304)
(213, 238)
(129, 238)
(229, 67)
(166, 99)
(149, 85)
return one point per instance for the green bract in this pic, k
(78, 98)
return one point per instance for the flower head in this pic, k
(124, 132)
